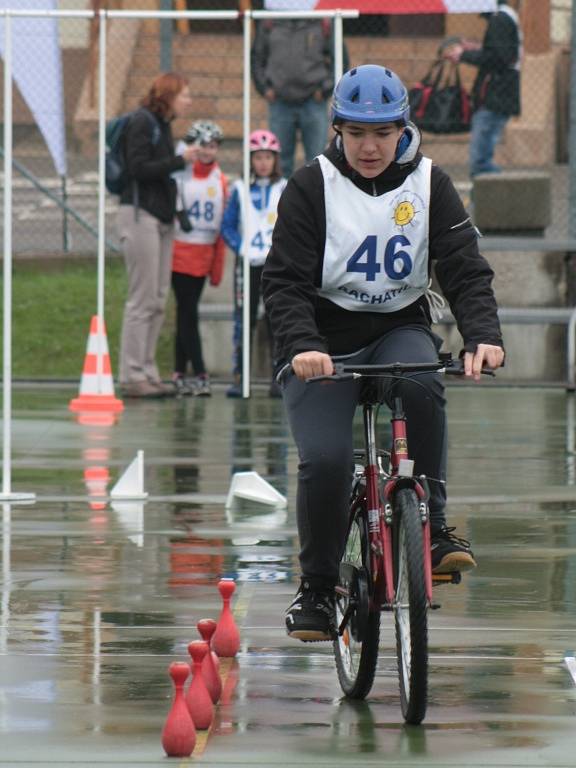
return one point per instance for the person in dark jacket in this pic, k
(146, 229)
(496, 90)
(332, 292)
(293, 69)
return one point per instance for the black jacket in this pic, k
(497, 84)
(301, 320)
(150, 160)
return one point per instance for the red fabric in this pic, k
(201, 170)
(199, 260)
(384, 6)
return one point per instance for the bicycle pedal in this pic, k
(447, 578)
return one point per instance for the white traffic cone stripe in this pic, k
(97, 345)
(92, 384)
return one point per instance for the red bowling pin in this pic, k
(197, 697)
(206, 628)
(226, 640)
(179, 733)
(209, 627)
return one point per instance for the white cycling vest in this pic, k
(376, 252)
(258, 239)
(203, 199)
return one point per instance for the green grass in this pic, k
(52, 305)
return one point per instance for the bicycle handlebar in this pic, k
(448, 366)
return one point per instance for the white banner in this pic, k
(37, 69)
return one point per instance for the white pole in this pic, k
(7, 370)
(7, 329)
(245, 211)
(101, 198)
(6, 577)
(338, 47)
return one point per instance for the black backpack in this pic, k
(116, 176)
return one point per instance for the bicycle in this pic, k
(387, 565)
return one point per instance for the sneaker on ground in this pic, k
(450, 553)
(140, 389)
(181, 386)
(234, 391)
(200, 386)
(164, 390)
(311, 616)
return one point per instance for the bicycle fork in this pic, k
(380, 510)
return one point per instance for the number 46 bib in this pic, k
(376, 253)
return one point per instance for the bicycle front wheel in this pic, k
(356, 648)
(410, 607)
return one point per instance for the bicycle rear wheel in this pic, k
(356, 649)
(410, 607)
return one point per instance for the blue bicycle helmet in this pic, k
(370, 94)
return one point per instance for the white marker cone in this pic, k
(250, 486)
(131, 484)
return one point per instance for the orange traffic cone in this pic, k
(96, 385)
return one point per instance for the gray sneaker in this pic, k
(181, 386)
(200, 386)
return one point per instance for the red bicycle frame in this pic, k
(379, 509)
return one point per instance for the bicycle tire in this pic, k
(410, 607)
(356, 650)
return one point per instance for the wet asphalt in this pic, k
(99, 596)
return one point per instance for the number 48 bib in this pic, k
(376, 253)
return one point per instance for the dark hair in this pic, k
(339, 121)
(162, 93)
(276, 174)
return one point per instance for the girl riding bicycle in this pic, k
(347, 278)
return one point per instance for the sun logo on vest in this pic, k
(407, 207)
(271, 218)
(211, 192)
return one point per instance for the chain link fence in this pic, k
(210, 54)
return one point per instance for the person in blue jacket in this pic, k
(266, 186)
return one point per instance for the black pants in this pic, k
(321, 419)
(188, 345)
(255, 293)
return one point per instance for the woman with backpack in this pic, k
(146, 228)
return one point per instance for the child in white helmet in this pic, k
(198, 251)
(266, 186)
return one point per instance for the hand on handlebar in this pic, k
(308, 364)
(487, 355)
